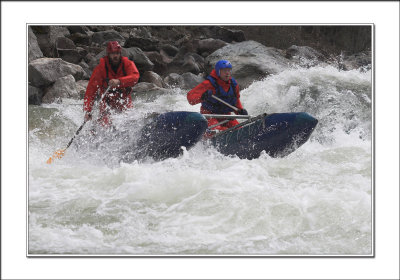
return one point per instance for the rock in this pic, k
(151, 77)
(170, 50)
(43, 72)
(91, 61)
(230, 35)
(48, 40)
(148, 91)
(186, 62)
(34, 51)
(64, 87)
(251, 61)
(87, 70)
(34, 95)
(190, 65)
(356, 61)
(103, 37)
(70, 55)
(173, 79)
(80, 39)
(142, 62)
(77, 29)
(210, 45)
(141, 38)
(189, 80)
(165, 57)
(65, 43)
(184, 81)
(81, 88)
(67, 50)
(144, 86)
(159, 61)
(304, 56)
(40, 29)
(94, 50)
(82, 51)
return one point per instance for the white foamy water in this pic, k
(316, 201)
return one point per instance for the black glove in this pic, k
(242, 112)
(206, 95)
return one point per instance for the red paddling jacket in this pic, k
(227, 91)
(117, 98)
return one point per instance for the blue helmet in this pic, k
(222, 64)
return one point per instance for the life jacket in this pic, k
(230, 97)
(123, 92)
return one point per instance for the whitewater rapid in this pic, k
(316, 201)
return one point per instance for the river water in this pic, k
(316, 201)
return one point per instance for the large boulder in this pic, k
(173, 79)
(77, 29)
(304, 56)
(141, 38)
(34, 51)
(251, 61)
(34, 95)
(70, 55)
(81, 88)
(229, 35)
(142, 62)
(186, 62)
(65, 43)
(102, 37)
(210, 45)
(190, 80)
(47, 37)
(160, 62)
(148, 91)
(85, 67)
(80, 39)
(152, 77)
(170, 50)
(356, 61)
(185, 81)
(43, 72)
(64, 87)
(67, 50)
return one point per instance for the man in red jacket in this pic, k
(120, 74)
(221, 84)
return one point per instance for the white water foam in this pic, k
(316, 201)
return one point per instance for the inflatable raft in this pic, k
(277, 134)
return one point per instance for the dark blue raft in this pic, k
(277, 134)
(165, 135)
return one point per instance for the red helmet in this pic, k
(113, 46)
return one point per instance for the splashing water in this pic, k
(316, 201)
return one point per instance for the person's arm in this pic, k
(239, 105)
(132, 74)
(95, 83)
(194, 95)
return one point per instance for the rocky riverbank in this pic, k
(62, 58)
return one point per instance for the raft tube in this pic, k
(277, 134)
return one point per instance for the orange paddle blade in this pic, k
(58, 154)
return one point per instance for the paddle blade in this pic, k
(58, 154)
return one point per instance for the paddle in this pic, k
(227, 116)
(60, 153)
(241, 124)
(250, 119)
